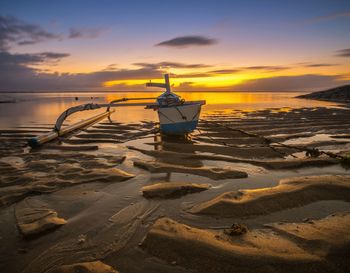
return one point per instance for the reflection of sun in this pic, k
(220, 97)
(110, 97)
(214, 97)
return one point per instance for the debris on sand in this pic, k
(290, 193)
(295, 247)
(213, 173)
(81, 239)
(172, 189)
(87, 267)
(34, 218)
(236, 229)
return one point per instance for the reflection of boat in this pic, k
(176, 116)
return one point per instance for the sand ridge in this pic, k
(267, 164)
(291, 192)
(254, 251)
(172, 189)
(87, 267)
(213, 173)
(34, 218)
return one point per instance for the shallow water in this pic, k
(44, 108)
(107, 210)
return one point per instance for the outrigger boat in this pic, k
(176, 116)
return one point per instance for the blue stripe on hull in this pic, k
(179, 128)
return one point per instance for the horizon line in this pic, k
(192, 91)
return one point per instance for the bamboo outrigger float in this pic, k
(176, 116)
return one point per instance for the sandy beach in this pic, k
(119, 197)
(175, 136)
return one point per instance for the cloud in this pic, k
(22, 66)
(210, 73)
(291, 83)
(18, 72)
(226, 71)
(319, 65)
(111, 67)
(186, 41)
(75, 32)
(14, 31)
(194, 75)
(53, 55)
(7, 58)
(329, 17)
(171, 64)
(343, 52)
(266, 67)
(18, 66)
(325, 18)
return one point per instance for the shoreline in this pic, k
(143, 91)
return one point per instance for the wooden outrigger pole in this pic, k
(58, 131)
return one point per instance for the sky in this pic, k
(107, 45)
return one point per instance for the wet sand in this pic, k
(296, 247)
(119, 197)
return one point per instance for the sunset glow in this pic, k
(213, 82)
(183, 136)
(297, 46)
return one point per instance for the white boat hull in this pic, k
(179, 120)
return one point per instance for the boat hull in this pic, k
(179, 120)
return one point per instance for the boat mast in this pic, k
(165, 85)
(168, 97)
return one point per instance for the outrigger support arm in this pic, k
(58, 131)
(41, 139)
(111, 104)
(89, 106)
(72, 110)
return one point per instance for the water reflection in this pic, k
(44, 108)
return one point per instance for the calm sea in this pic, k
(44, 108)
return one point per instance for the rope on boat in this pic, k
(181, 114)
(309, 152)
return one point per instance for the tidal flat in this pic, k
(119, 197)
